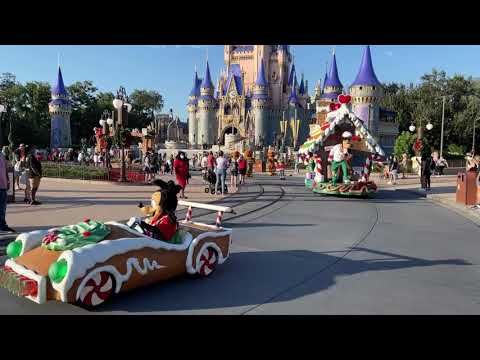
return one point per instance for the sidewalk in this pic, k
(443, 193)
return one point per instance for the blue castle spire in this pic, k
(196, 89)
(207, 81)
(59, 88)
(293, 99)
(301, 90)
(261, 76)
(333, 79)
(292, 74)
(366, 74)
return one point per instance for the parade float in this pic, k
(339, 154)
(89, 262)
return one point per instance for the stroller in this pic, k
(210, 179)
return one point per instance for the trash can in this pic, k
(467, 188)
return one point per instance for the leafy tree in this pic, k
(404, 144)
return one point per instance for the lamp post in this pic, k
(106, 123)
(123, 107)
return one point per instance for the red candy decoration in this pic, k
(86, 220)
(334, 106)
(87, 233)
(344, 99)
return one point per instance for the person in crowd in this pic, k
(181, 165)
(25, 176)
(233, 166)
(242, 169)
(35, 173)
(211, 161)
(204, 164)
(172, 168)
(4, 185)
(473, 162)
(19, 155)
(441, 165)
(393, 170)
(220, 171)
(147, 167)
(404, 165)
(426, 171)
(281, 169)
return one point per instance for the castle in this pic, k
(259, 88)
(60, 110)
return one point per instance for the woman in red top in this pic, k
(181, 171)
(242, 168)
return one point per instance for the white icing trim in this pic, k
(121, 278)
(31, 240)
(41, 280)
(221, 259)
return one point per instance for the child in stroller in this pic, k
(210, 180)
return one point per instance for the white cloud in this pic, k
(388, 53)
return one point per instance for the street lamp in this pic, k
(121, 104)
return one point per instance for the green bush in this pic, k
(73, 171)
(404, 144)
(454, 149)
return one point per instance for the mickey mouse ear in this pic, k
(160, 183)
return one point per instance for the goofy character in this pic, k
(339, 155)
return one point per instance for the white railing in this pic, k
(219, 209)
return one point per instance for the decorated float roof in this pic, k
(337, 117)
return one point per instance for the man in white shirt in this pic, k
(339, 156)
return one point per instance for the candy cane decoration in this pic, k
(318, 165)
(366, 168)
(218, 222)
(188, 217)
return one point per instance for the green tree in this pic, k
(404, 144)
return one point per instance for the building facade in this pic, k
(256, 90)
(60, 110)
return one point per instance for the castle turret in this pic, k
(259, 106)
(206, 111)
(318, 90)
(366, 92)
(332, 87)
(60, 110)
(192, 107)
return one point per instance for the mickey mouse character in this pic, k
(162, 223)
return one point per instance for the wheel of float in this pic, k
(97, 289)
(207, 262)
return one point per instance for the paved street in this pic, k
(294, 252)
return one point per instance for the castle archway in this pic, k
(228, 130)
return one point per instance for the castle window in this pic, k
(374, 88)
(361, 87)
(227, 110)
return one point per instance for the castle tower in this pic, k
(60, 110)
(260, 108)
(318, 90)
(192, 107)
(332, 87)
(207, 128)
(366, 92)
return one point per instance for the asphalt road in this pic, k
(295, 252)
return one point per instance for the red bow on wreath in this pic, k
(418, 145)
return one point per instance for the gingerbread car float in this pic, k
(91, 273)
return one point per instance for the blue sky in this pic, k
(169, 68)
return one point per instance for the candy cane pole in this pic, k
(218, 222)
(188, 217)
(366, 169)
